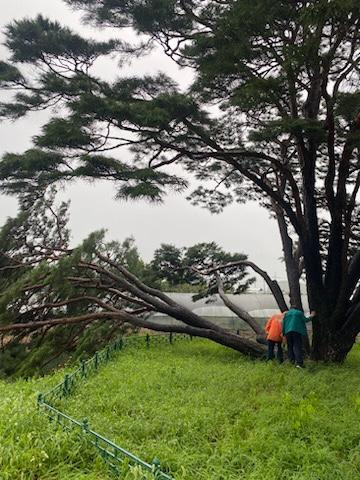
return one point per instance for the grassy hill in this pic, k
(205, 411)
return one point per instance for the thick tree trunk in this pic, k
(332, 348)
(236, 342)
(217, 334)
(329, 343)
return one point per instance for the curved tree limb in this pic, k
(253, 324)
(272, 284)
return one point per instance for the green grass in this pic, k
(33, 449)
(205, 411)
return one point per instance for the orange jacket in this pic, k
(273, 327)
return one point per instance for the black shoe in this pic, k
(299, 366)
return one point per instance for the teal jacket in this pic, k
(294, 321)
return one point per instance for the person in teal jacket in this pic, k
(294, 330)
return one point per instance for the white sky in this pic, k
(240, 228)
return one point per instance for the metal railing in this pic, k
(116, 457)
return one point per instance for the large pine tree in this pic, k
(285, 78)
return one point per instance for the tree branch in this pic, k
(253, 324)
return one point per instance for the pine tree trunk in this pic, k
(331, 350)
(237, 342)
(328, 344)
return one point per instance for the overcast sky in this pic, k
(244, 228)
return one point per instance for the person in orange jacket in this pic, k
(273, 328)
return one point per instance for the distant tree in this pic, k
(166, 264)
(204, 256)
(180, 269)
(285, 76)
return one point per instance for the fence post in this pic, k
(171, 337)
(85, 425)
(107, 353)
(66, 384)
(83, 367)
(96, 360)
(156, 468)
(40, 399)
(147, 340)
(191, 337)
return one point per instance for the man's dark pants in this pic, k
(279, 353)
(295, 348)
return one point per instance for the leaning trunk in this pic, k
(236, 342)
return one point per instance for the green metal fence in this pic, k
(116, 457)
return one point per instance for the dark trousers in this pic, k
(279, 353)
(295, 348)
